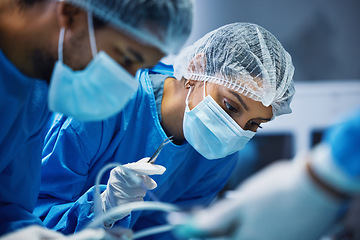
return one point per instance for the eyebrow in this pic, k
(240, 100)
(136, 54)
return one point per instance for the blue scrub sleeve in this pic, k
(70, 217)
(9, 220)
(65, 166)
(19, 187)
(65, 202)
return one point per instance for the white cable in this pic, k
(97, 203)
(153, 230)
(133, 206)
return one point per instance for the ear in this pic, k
(67, 14)
(198, 63)
(190, 83)
(187, 83)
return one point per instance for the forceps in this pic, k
(157, 152)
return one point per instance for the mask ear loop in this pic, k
(204, 89)
(188, 94)
(61, 44)
(91, 34)
(187, 97)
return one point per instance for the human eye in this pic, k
(123, 58)
(230, 107)
(253, 124)
(127, 62)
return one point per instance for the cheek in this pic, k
(77, 53)
(133, 69)
(266, 112)
(152, 59)
(195, 98)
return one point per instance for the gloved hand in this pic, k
(129, 183)
(280, 202)
(36, 232)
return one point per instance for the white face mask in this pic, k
(211, 131)
(99, 91)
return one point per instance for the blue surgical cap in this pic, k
(165, 24)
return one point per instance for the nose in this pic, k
(241, 121)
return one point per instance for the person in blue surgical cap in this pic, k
(219, 92)
(298, 200)
(88, 51)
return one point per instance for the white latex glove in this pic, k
(129, 183)
(279, 203)
(36, 232)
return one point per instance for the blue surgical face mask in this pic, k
(95, 93)
(211, 131)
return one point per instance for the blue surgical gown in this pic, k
(74, 153)
(23, 114)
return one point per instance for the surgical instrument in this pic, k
(157, 152)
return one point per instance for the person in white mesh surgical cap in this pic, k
(237, 77)
(221, 89)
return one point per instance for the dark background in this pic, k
(323, 37)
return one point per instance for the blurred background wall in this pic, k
(323, 38)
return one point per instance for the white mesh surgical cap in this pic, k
(243, 57)
(165, 24)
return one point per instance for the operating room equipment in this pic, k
(136, 206)
(158, 150)
(150, 205)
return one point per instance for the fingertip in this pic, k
(144, 160)
(153, 185)
(149, 183)
(159, 169)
